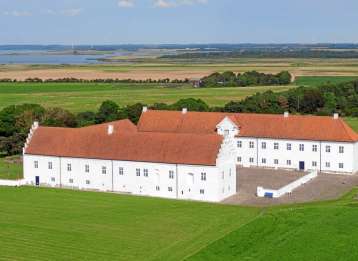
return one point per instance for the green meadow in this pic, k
(78, 97)
(54, 224)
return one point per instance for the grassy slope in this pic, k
(321, 231)
(53, 224)
(81, 97)
(10, 170)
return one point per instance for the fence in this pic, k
(12, 183)
(262, 192)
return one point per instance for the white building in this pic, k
(116, 157)
(185, 155)
(326, 144)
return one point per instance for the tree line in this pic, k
(252, 78)
(16, 120)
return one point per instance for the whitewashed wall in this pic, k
(355, 157)
(185, 184)
(308, 156)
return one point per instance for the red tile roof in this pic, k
(273, 126)
(125, 144)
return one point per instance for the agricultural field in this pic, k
(78, 97)
(320, 80)
(55, 224)
(157, 68)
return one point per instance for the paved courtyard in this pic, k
(324, 187)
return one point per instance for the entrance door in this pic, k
(302, 165)
(189, 185)
(37, 181)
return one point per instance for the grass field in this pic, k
(10, 170)
(319, 80)
(53, 224)
(320, 231)
(81, 97)
(47, 224)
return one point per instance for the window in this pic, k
(170, 189)
(341, 165)
(203, 176)
(288, 146)
(36, 164)
(314, 148)
(137, 172)
(226, 132)
(314, 163)
(171, 174)
(104, 170)
(53, 180)
(202, 192)
(328, 164)
(239, 159)
(288, 162)
(263, 145)
(275, 146)
(223, 175)
(302, 147)
(263, 161)
(145, 172)
(251, 160)
(50, 165)
(121, 172)
(251, 145)
(157, 188)
(69, 167)
(70, 181)
(87, 168)
(239, 144)
(275, 161)
(341, 149)
(328, 149)
(88, 182)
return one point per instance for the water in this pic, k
(8, 57)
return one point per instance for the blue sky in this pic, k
(177, 21)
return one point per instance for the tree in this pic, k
(191, 104)
(58, 117)
(284, 77)
(312, 100)
(134, 112)
(107, 112)
(86, 118)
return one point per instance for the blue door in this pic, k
(37, 180)
(302, 165)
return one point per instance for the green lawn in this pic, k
(319, 80)
(53, 224)
(321, 231)
(10, 170)
(80, 97)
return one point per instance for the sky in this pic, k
(177, 21)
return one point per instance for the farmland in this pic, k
(78, 97)
(181, 69)
(43, 224)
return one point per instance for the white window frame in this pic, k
(69, 167)
(302, 147)
(49, 165)
(104, 170)
(36, 164)
(239, 144)
(251, 144)
(328, 149)
(87, 168)
(341, 149)
(263, 145)
(288, 146)
(137, 172)
(171, 174)
(276, 146)
(203, 176)
(121, 171)
(314, 148)
(145, 173)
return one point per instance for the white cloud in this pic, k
(176, 3)
(126, 3)
(71, 12)
(17, 13)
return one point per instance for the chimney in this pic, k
(184, 111)
(35, 125)
(286, 114)
(110, 129)
(145, 109)
(336, 116)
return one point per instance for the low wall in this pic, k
(263, 192)
(12, 183)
